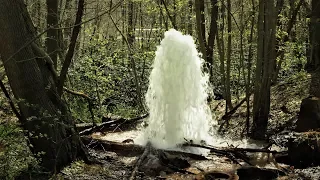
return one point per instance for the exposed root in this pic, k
(140, 160)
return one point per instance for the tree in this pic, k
(314, 54)
(309, 110)
(189, 17)
(228, 73)
(52, 33)
(221, 50)
(264, 67)
(31, 75)
(206, 45)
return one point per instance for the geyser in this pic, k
(177, 94)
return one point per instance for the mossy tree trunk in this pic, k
(45, 117)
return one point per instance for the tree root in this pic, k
(140, 160)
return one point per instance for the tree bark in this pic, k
(228, 74)
(199, 8)
(190, 17)
(264, 69)
(250, 57)
(45, 117)
(221, 50)
(314, 60)
(71, 49)
(206, 45)
(212, 35)
(52, 33)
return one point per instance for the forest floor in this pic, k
(285, 103)
(286, 97)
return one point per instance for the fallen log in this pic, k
(129, 149)
(240, 153)
(223, 150)
(229, 114)
(120, 148)
(110, 125)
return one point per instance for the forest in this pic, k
(160, 89)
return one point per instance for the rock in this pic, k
(159, 161)
(254, 173)
(304, 149)
(309, 116)
(152, 166)
(220, 175)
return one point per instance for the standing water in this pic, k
(177, 94)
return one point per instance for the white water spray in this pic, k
(177, 94)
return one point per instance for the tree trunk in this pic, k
(264, 69)
(199, 8)
(190, 17)
(221, 50)
(212, 35)
(228, 88)
(67, 23)
(130, 24)
(45, 116)
(52, 34)
(309, 110)
(314, 60)
(206, 46)
(174, 16)
(250, 57)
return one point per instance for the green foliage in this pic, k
(14, 152)
(79, 167)
(104, 72)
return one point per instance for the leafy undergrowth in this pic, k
(81, 170)
(286, 98)
(14, 153)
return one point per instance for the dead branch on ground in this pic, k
(111, 124)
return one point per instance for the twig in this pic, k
(89, 100)
(6, 93)
(228, 115)
(81, 94)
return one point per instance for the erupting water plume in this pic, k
(177, 94)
